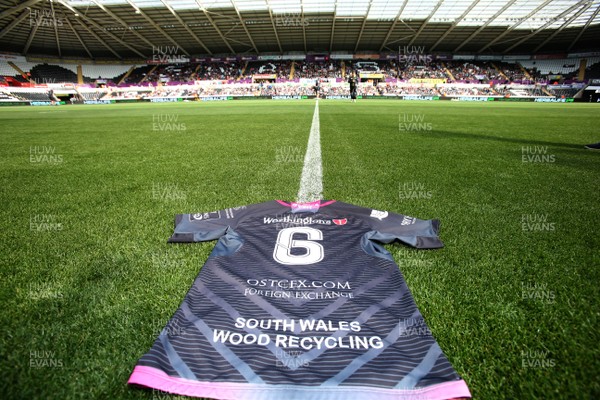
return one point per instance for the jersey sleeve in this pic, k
(201, 227)
(415, 232)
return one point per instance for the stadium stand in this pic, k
(139, 74)
(32, 96)
(6, 96)
(280, 69)
(515, 72)
(552, 67)
(481, 72)
(367, 67)
(330, 69)
(193, 80)
(25, 66)
(563, 92)
(99, 71)
(431, 71)
(45, 73)
(458, 71)
(6, 70)
(593, 71)
(420, 90)
(464, 71)
(467, 91)
(90, 95)
(389, 68)
(218, 71)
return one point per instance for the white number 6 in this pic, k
(285, 243)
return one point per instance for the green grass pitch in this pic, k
(88, 196)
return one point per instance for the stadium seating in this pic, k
(25, 66)
(5, 96)
(551, 67)
(563, 91)
(91, 95)
(592, 70)
(291, 78)
(96, 71)
(467, 91)
(175, 73)
(138, 74)
(45, 73)
(458, 71)
(6, 70)
(329, 69)
(281, 69)
(32, 96)
(420, 71)
(509, 72)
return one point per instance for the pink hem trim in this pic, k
(157, 379)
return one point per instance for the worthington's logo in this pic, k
(290, 219)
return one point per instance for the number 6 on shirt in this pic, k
(286, 242)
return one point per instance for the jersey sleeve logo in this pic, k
(379, 214)
(205, 216)
(340, 221)
(408, 220)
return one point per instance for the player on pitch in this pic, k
(353, 81)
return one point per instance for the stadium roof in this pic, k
(120, 29)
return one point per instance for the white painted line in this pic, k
(311, 181)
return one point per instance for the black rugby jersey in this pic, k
(300, 301)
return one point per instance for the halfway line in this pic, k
(311, 181)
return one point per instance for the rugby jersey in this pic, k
(300, 301)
